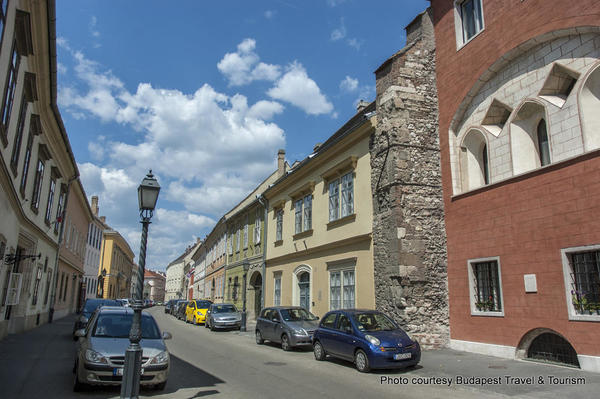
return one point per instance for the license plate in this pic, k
(400, 356)
(119, 371)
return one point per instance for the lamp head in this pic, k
(148, 193)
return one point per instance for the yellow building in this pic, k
(116, 266)
(319, 244)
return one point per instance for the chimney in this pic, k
(95, 205)
(280, 162)
(362, 104)
(317, 146)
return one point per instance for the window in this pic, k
(279, 229)
(14, 159)
(486, 165)
(48, 281)
(277, 291)
(485, 285)
(347, 204)
(341, 284)
(37, 185)
(542, 141)
(471, 18)
(329, 320)
(584, 278)
(36, 286)
(246, 233)
(474, 160)
(26, 163)
(9, 93)
(257, 223)
(239, 242)
(3, 11)
(230, 243)
(236, 285)
(50, 200)
(303, 214)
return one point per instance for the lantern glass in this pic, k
(148, 192)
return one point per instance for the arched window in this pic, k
(529, 138)
(589, 103)
(542, 141)
(475, 168)
(304, 289)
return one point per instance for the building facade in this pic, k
(214, 278)
(116, 266)
(70, 289)
(36, 164)
(245, 246)
(199, 259)
(156, 286)
(409, 236)
(175, 277)
(319, 224)
(93, 245)
(519, 96)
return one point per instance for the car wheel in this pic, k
(319, 351)
(361, 361)
(161, 386)
(285, 343)
(77, 386)
(259, 338)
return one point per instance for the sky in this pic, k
(205, 93)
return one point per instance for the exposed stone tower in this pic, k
(409, 240)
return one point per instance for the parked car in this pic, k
(223, 315)
(101, 347)
(195, 311)
(367, 337)
(125, 301)
(291, 326)
(168, 305)
(175, 306)
(88, 309)
(180, 312)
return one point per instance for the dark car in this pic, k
(89, 307)
(291, 326)
(368, 338)
(175, 306)
(169, 304)
(180, 312)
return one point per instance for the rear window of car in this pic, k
(117, 325)
(203, 304)
(93, 304)
(329, 320)
(223, 308)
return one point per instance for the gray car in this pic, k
(223, 315)
(101, 348)
(291, 326)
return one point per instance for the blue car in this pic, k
(368, 338)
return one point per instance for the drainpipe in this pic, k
(264, 202)
(60, 237)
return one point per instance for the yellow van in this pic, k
(195, 312)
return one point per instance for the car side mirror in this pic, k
(275, 320)
(166, 335)
(80, 333)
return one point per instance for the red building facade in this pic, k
(519, 121)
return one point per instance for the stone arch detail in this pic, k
(474, 155)
(589, 104)
(523, 135)
(529, 337)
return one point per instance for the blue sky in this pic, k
(205, 93)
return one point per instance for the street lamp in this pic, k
(246, 266)
(147, 196)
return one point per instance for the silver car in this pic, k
(223, 315)
(101, 349)
(290, 325)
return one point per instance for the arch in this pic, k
(302, 283)
(524, 143)
(254, 295)
(474, 160)
(589, 104)
(554, 347)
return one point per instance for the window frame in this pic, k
(276, 291)
(566, 256)
(459, 22)
(341, 195)
(342, 270)
(6, 106)
(279, 225)
(18, 141)
(38, 185)
(473, 287)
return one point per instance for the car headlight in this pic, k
(300, 331)
(372, 340)
(83, 320)
(95, 357)
(161, 358)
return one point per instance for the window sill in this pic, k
(341, 221)
(584, 317)
(303, 234)
(278, 243)
(487, 313)
(460, 46)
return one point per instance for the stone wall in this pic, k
(409, 240)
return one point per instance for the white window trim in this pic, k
(458, 25)
(340, 269)
(295, 292)
(564, 254)
(277, 275)
(471, 277)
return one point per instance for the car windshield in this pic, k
(223, 309)
(91, 305)
(374, 322)
(203, 304)
(297, 315)
(117, 325)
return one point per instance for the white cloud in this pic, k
(340, 32)
(93, 29)
(356, 43)
(298, 89)
(349, 84)
(265, 110)
(269, 14)
(61, 68)
(243, 67)
(333, 3)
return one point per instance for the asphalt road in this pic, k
(229, 364)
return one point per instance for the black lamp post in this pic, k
(130, 388)
(246, 266)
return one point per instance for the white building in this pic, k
(93, 245)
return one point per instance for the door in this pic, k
(304, 290)
(344, 341)
(327, 332)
